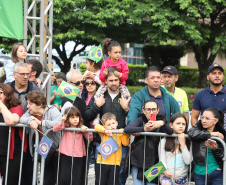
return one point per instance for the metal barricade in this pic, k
(145, 134)
(22, 153)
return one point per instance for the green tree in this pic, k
(87, 23)
(200, 24)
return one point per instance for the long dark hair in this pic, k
(10, 100)
(170, 141)
(73, 111)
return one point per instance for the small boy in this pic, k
(110, 165)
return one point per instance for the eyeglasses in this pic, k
(23, 74)
(207, 118)
(91, 82)
(78, 82)
(151, 109)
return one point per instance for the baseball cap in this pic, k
(213, 66)
(170, 69)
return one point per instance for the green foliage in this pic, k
(82, 68)
(199, 24)
(188, 77)
(136, 72)
(191, 93)
(163, 55)
(134, 89)
(86, 23)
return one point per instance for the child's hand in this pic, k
(83, 128)
(121, 131)
(105, 71)
(182, 139)
(89, 75)
(108, 133)
(63, 119)
(54, 93)
(168, 174)
(118, 74)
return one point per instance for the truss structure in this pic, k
(38, 31)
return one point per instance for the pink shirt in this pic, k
(122, 67)
(66, 145)
(88, 99)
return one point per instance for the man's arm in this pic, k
(194, 116)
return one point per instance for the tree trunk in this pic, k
(204, 59)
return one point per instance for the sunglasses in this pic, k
(91, 82)
(78, 82)
(207, 118)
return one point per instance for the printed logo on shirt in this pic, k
(180, 104)
(119, 100)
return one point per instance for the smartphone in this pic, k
(210, 140)
(153, 117)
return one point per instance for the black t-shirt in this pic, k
(4, 137)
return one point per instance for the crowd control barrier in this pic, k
(35, 157)
(145, 134)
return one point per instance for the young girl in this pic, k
(56, 99)
(113, 49)
(177, 172)
(208, 153)
(72, 145)
(144, 124)
(19, 54)
(93, 70)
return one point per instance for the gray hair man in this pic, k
(21, 85)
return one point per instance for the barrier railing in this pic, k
(22, 153)
(145, 134)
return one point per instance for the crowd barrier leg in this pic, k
(35, 158)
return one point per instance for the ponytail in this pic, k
(107, 45)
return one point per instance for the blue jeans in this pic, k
(215, 177)
(138, 181)
(123, 176)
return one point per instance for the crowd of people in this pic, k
(105, 104)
